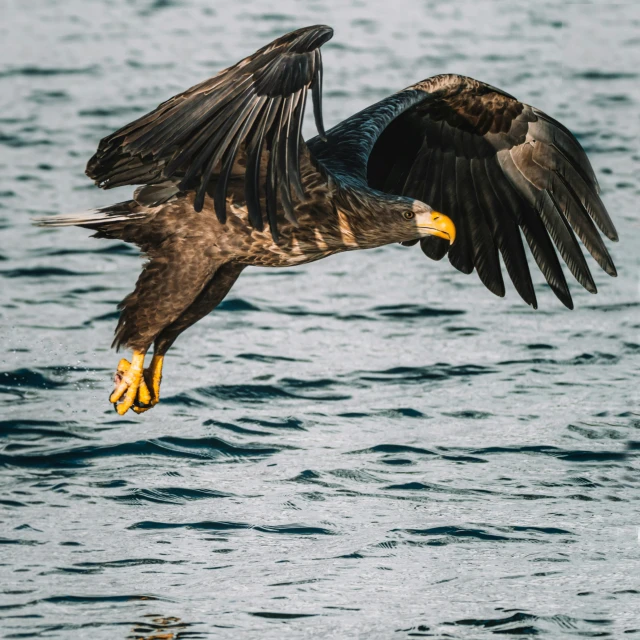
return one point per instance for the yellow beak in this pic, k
(440, 226)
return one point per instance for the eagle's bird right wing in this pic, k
(496, 166)
(257, 103)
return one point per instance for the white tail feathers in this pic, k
(92, 217)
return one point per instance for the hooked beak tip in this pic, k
(442, 226)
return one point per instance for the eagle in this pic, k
(225, 180)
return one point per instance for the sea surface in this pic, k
(372, 446)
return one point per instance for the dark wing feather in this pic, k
(258, 103)
(497, 167)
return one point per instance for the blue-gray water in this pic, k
(371, 446)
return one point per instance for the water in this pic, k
(371, 446)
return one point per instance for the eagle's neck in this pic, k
(362, 218)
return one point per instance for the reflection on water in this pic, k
(156, 627)
(371, 446)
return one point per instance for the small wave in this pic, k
(595, 358)
(105, 317)
(29, 378)
(12, 503)
(279, 615)
(445, 535)
(555, 452)
(318, 383)
(259, 357)
(595, 74)
(309, 476)
(583, 359)
(245, 392)
(437, 371)
(107, 112)
(404, 311)
(540, 346)
(396, 448)
(436, 488)
(271, 17)
(185, 399)
(358, 475)
(521, 623)
(40, 429)
(235, 305)
(31, 71)
(18, 142)
(442, 453)
(40, 96)
(44, 272)
(267, 392)
(72, 600)
(114, 248)
(192, 448)
(608, 308)
(469, 414)
(401, 412)
(207, 525)
(100, 567)
(20, 541)
(168, 495)
(284, 423)
(303, 312)
(83, 291)
(404, 412)
(229, 426)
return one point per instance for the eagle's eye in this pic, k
(409, 215)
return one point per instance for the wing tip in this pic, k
(566, 300)
(497, 289)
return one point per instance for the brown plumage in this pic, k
(218, 160)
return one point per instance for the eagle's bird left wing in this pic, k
(253, 106)
(495, 166)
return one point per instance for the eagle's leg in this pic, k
(130, 383)
(210, 297)
(148, 318)
(170, 282)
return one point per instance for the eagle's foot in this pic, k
(129, 378)
(153, 377)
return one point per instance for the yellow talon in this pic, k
(130, 379)
(144, 397)
(153, 377)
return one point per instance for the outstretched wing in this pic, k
(258, 103)
(495, 166)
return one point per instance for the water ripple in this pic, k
(190, 448)
(288, 529)
(168, 495)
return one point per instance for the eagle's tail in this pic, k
(122, 221)
(102, 219)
